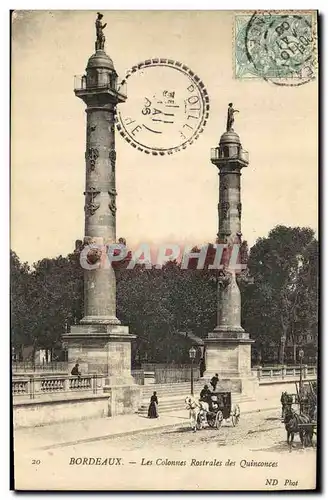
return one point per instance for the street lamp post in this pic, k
(192, 355)
(301, 354)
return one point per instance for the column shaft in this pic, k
(100, 213)
(230, 205)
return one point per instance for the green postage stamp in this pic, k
(278, 47)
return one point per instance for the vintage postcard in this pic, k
(164, 250)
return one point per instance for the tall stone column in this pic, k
(100, 192)
(100, 344)
(229, 159)
(228, 346)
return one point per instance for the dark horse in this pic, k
(292, 423)
(286, 403)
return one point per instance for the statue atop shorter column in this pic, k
(100, 41)
(231, 118)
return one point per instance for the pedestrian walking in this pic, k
(202, 367)
(153, 407)
(214, 381)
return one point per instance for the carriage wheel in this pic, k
(235, 416)
(219, 419)
(211, 422)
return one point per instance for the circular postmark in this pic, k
(167, 107)
(282, 47)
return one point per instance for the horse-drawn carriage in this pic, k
(287, 400)
(303, 422)
(216, 409)
(308, 404)
(305, 398)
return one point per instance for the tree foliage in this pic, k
(43, 300)
(159, 303)
(21, 331)
(282, 305)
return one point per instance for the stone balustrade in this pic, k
(55, 367)
(36, 385)
(282, 372)
(19, 387)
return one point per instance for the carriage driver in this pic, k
(205, 398)
(205, 394)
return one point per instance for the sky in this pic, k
(160, 199)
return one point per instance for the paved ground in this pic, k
(261, 431)
(97, 429)
(174, 458)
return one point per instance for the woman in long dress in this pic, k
(153, 407)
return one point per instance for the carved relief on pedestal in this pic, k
(112, 158)
(112, 203)
(90, 205)
(91, 156)
(224, 207)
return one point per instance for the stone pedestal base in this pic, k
(245, 386)
(123, 399)
(101, 349)
(229, 355)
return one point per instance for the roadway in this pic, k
(252, 455)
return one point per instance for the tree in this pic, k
(57, 298)
(44, 300)
(157, 303)
(306, 305)
(271, 305)
(20, 274)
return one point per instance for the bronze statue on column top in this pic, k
(100, 41)
(231, 118)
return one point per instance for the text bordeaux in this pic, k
(95, 461)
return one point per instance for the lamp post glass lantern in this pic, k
(192, 355)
